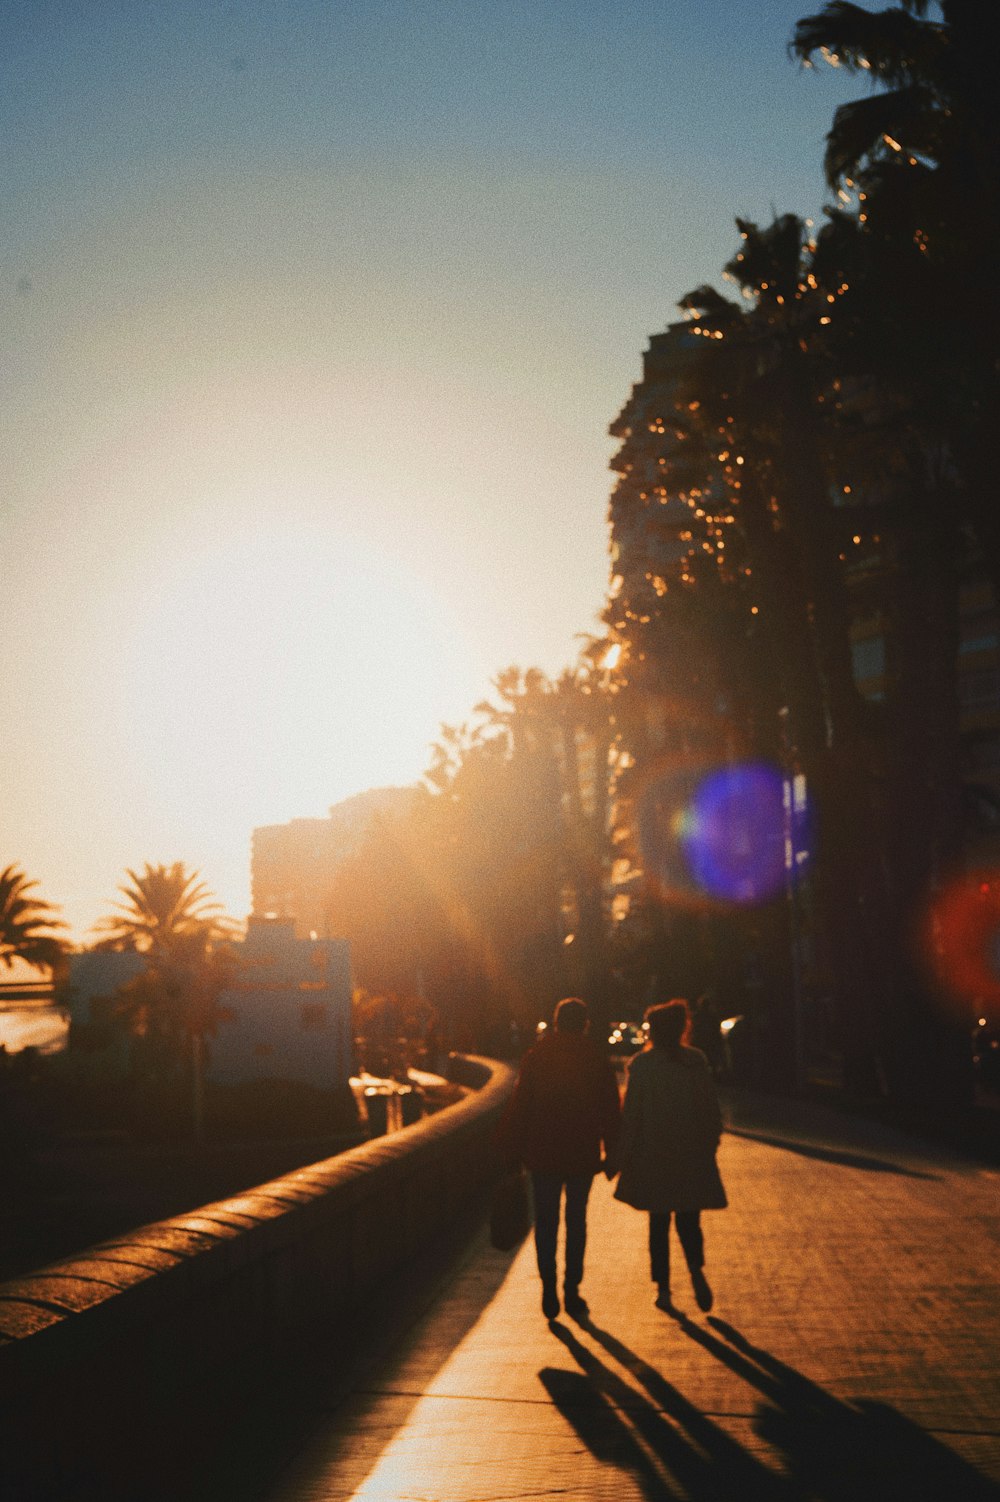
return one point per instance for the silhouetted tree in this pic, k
(468, 897)
(27, 924)
(169, 915)
(814, 452)
(920, 160)
(163, 906)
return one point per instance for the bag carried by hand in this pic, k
(510, 1213)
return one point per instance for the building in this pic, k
(97, 1041)
(292, 865)
(651, 524)
(287, 1015)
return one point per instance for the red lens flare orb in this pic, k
(961, 939)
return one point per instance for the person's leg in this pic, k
(577, 1194)
(689, 1231)
(659, 1252)
(691, 1239)
(547, 1190)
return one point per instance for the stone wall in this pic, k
(114, 1361)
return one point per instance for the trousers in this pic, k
(691, 1239)
(548, 1192)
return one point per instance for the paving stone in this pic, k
(851, 1354)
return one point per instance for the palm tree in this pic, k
(922, 156)
(559, 736)
(758, 433)
(172, 917)
(164, 908)
(932, 105)
(27, 923)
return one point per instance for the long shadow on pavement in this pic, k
(693, 1458)
(841, 1451)
(831, 1450)
(830, 1154)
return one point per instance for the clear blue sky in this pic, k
(315, 316)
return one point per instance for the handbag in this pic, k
(510, 1211)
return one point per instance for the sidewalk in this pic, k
(852, 1353)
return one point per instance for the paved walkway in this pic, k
(852, 1353)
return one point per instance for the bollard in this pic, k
(377, 1106)
(411, 1105)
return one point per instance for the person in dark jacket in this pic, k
(562, 1123)
(670, 1134)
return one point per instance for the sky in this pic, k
(315, 316)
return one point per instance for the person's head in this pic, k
(668, 1023)
(571, 1015)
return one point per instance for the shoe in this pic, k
(702, 1292)
(663, 1299)
(575, 1304)
(550, 1301)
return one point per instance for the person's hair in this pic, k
(571, 1015)
(669, 1023)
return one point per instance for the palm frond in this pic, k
(769, 257)
(161, 906)
(706, 302)
(900, 123)
(896, 47)
(27, 923)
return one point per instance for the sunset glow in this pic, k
(284, 665)
(315, 317)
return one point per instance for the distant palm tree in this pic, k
(166, 909)
(171, 916)
(26, 923)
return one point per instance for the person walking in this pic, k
(562, 1123)
(671, 1128)
(706, 1032)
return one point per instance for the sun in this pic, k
(271, 675)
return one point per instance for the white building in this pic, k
(97, 1041)
(288, 1014)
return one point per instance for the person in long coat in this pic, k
(562, 1123)
(671, 1128)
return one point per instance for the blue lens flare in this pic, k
(733, 834)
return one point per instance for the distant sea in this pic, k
(33, 1025)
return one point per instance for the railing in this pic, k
(113, 1361)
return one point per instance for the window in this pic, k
(312, 1017)
(984, 755)
(979, 632)
(868, 657)
(980, 690)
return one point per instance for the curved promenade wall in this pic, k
(112, 1361)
